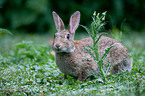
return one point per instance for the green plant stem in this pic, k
(96, 25)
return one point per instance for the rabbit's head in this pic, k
(64, 39)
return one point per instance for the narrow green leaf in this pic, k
(91, 53)
(96, 41)
(106, 53)
(5, 31)
(87, 29)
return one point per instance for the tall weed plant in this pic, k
(96, 26)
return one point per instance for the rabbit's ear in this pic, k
(58, 22)
(74, 22)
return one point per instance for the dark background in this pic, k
(35, 16)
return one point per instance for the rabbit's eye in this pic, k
(67, 36)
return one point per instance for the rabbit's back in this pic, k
(118, 55)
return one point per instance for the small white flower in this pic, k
(98, 15)
(94, 13)
(103, 18)
(104, 13)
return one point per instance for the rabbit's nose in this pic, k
(57, 46)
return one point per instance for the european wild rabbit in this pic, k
(71, 57)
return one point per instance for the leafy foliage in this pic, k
(29, 69)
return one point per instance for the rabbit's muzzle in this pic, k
(63, 48)
(57, 47)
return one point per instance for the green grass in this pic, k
(28, 68)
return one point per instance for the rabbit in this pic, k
(71, 57)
